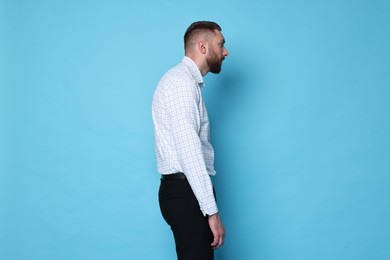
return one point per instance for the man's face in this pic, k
(217, 53)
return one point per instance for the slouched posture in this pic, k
(185, 156)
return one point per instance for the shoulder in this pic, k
(178, 80)
(178, 74)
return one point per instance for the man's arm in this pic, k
(184, 116)
(182, 106)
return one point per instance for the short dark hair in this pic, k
(197, 28)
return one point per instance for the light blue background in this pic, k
(300, 125)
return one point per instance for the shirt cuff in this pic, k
(210, 209)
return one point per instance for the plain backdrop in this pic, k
(299, 114)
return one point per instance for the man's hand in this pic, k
(217, 229)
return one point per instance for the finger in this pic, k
(217, 246)
(215, 241)
(221, 239)
(218, 243)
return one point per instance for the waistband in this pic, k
(174, 176)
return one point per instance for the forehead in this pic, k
(218, 36)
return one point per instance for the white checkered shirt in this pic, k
(182, 131)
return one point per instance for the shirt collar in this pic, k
(194, 70)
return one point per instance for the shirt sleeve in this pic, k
(184, 117)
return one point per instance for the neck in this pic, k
(200, 63)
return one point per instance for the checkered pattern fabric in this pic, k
(182, 131)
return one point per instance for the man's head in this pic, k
(204, 43)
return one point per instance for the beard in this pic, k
(214, 62)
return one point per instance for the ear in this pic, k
(202, 46)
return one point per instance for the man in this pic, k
(185, 157)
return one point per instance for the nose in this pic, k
(225, 52)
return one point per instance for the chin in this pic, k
(216, 70)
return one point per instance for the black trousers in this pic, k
(190, 228)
